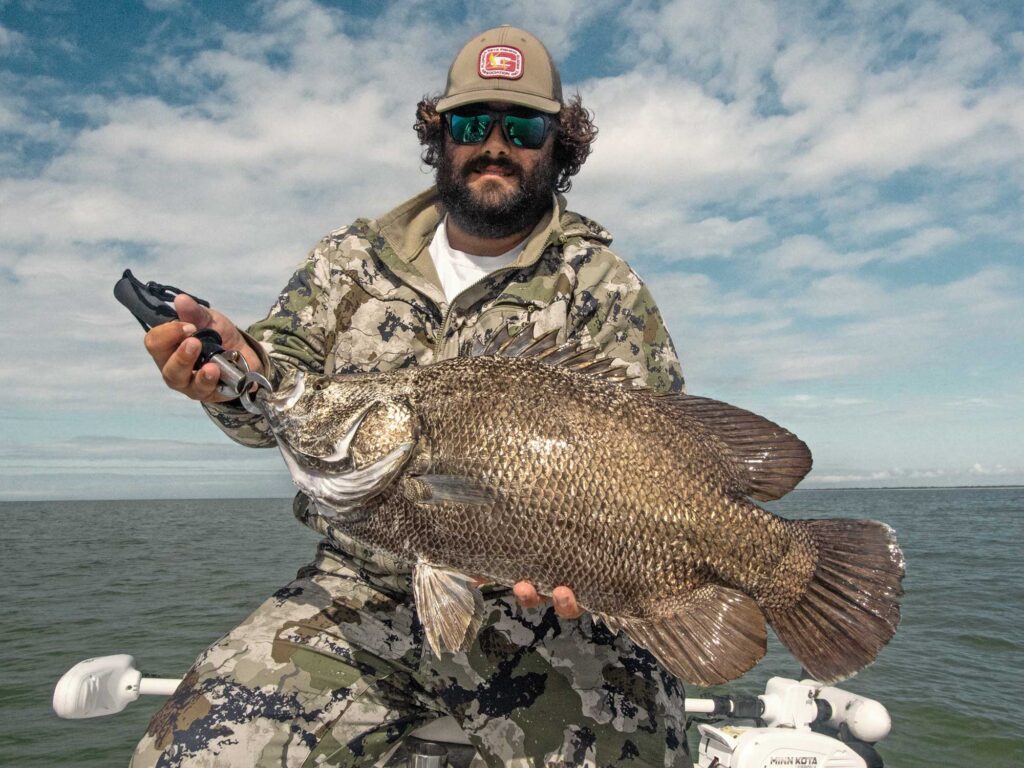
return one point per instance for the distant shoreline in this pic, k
(288, 499)
(907, 487)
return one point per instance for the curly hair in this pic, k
(573, 138)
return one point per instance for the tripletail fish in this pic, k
(538, 460)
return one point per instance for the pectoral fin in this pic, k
(716, 637)
(449, 607)
(438, 489)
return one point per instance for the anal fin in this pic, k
(716, 637)
(450, 608)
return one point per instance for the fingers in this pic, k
(177, 370)
(563, 598)
(565, 603)
(190, 311)
(527, 595)
(162, 340)
(195, 314)
(175, 353)
(178, 374)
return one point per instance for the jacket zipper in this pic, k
(439, 336)
(443, 331)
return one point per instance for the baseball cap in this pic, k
(503, 64)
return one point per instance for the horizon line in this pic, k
(1007, 486)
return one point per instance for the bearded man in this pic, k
(333, 668)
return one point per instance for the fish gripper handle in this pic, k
(212, 345)
(152, 304)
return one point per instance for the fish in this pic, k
(539, 460)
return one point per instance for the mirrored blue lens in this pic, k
(527, 130)
(469, 129)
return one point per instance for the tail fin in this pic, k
(851, 606)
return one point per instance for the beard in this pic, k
(493, 212)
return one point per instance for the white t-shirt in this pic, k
(459, 270)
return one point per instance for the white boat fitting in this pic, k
(793, 723)
(104, 686)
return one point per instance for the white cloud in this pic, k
(973, 402)
(816, 402)
(698, 296)
(807, 252)
(872, 327)
(164, 5)
(11, 42)
(728, 45)
(958, 48)
(853, 115)
(989, 471)
(925, 242)
(897, 131)
(558, 23)
(1017, 41)
(670, 235)
(666, 131)
(841, 296)
(104, 467)
(877, 218)
(897, 477)
(818, 77)
(850, 181)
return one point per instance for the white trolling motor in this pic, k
(793, 723)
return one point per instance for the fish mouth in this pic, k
(335, 456)
(281, 402)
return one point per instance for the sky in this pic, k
(824, 198)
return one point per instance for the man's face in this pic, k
(496, 189)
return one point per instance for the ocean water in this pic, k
(163, 579)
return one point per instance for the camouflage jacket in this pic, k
(367, 298)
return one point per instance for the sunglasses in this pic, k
(524, 128)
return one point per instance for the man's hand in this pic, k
(174, 352)
(563, 598)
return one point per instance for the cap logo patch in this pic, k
(501, 61)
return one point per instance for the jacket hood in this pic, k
(409, 228)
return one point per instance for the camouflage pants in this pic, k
(332, 671)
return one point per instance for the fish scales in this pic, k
(509, 468)
(575, 512)
(606, 464)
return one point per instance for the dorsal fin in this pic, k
(574, 354)
(771, 459)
